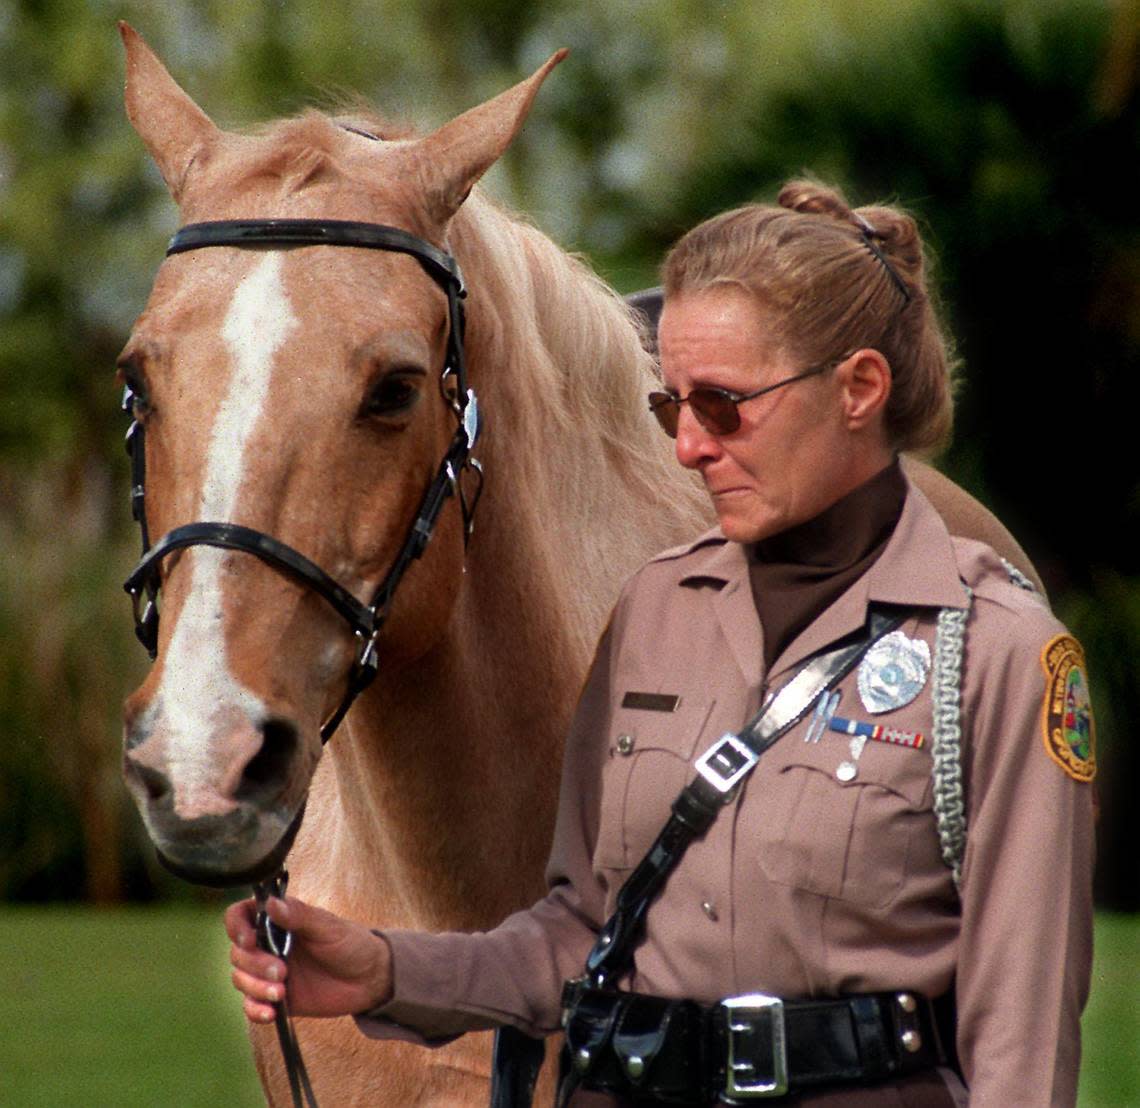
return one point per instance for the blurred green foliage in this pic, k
(1008, 126)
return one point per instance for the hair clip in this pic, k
(869, 234)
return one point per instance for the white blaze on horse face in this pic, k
(200, 703)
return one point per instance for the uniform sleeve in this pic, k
(447, 984)
(1025, 949)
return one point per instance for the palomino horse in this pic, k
(294, 390)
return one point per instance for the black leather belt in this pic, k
(747, 1048)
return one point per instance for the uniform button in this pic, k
(911, 1040)
(907, 1002)
(709, 909)
(625, 744)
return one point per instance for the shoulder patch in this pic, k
(1066, 716)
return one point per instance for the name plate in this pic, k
(651, 701)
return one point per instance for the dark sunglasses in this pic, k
(714, 408)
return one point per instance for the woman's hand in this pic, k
(335, 968)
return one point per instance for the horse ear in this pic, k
(460, 152)
(176, 131)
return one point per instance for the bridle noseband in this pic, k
(365, 620)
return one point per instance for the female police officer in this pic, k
(894, 904)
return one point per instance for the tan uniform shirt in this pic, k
(808, 885)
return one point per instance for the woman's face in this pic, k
(796, 451)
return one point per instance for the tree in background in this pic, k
(1009, 127)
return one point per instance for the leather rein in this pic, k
(364, 620)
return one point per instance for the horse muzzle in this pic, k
(227, 811)
(201, 862)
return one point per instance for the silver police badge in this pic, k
(893, 672)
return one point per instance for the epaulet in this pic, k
(993, 578)
(710, 538)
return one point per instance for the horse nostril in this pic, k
(157, 785)
(267, 770)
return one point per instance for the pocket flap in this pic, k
(904, 771)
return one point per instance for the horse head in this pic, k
(300, 393)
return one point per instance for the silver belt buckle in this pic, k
(726, 762)
(756, 1034)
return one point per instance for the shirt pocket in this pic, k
(850, 840)
(650, 762)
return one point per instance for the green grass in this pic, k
(127, 1007)
(1110, 1073)
(133, 1007)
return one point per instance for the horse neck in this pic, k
(446, 780)
(434, 804)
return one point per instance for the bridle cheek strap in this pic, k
(365, 620)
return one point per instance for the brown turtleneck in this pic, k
(796, 574)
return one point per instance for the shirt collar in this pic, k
(917, 568)
(930, 580)
(896, 576)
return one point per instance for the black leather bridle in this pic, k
(365, 620)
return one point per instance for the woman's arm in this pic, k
(1026, 938)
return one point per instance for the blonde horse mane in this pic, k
(566, 350)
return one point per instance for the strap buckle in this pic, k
(271, 937)
(726, 762)
(757, 1062)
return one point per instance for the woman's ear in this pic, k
(865, 383)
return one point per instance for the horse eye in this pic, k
(394, 394)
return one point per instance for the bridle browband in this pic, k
(365, 620)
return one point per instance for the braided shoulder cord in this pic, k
(946, 750)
